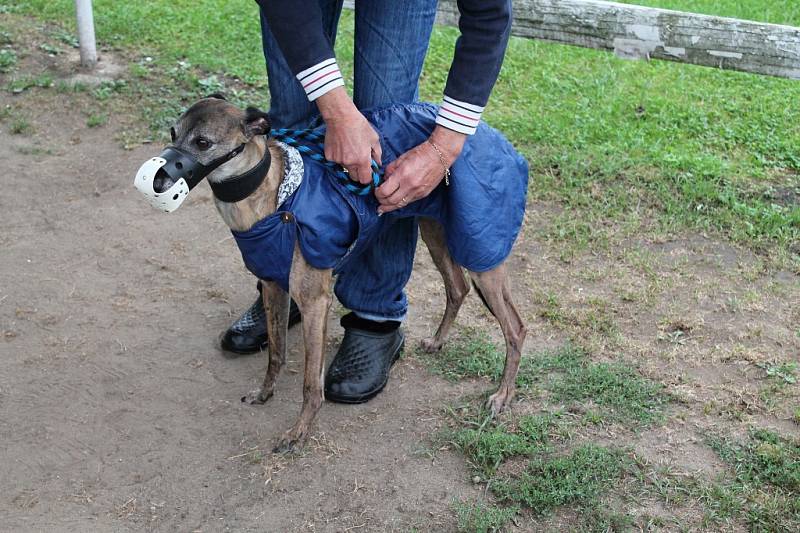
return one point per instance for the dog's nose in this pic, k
(162, 181)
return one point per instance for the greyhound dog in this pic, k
(217, 140)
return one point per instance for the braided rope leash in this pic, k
(310, 143)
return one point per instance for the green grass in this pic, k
(96, 120)
(617, 388)
(21, 126)
(765, 458)
(774, 11)
(531, 461)
(487, 445)
(470, 353)
(480, 517)
(579, 477)
(614, 390)
(8, 60)
(22, 84)
(624, 147)
(761, 491)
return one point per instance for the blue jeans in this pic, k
(391, 39)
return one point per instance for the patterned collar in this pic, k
(292, 172)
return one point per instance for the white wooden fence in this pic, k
(637, 32)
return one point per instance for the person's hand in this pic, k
(417, 172)
(349, 139)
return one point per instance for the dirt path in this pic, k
(118, 411)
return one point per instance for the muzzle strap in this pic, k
(180, 164)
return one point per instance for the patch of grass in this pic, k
(49, 49)
(96, 120)
(468, 354)
(775, 11)
(765, 458)
(780, 376)
(9, 8)
(21, 126)
(63, 87)
(480, 517)
(579, 477)
(785, 373)
(34, 150)
(525, 459)
(599, 519)
(764, 491)
(721, 501)
(624, 394)
(8, 60)
(594, 317)
(66, 37)
(18, 85)
(109, 88)
(487, 445)
(616, 389)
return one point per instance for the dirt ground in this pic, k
(118, 412)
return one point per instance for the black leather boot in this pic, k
(249, 333)
(360, 369)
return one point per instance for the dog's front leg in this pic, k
(311, 289)
(276, 303)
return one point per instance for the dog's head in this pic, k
(206, 140)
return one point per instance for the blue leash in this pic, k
(310, 143)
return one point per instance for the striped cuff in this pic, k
(321, 78)
(459, 116)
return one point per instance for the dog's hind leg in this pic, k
(276, 303)
(493, 285)
(311, 289)
(455, 284)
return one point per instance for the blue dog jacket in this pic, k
(481, 210)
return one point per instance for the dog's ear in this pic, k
(256, 122)
(218, 96)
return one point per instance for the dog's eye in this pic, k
(172, 134)
(203, 144)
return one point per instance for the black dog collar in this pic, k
(237, 188)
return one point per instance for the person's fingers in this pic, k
(387, 188)
(395, 201)
(399, 197)
(377, 152)
(391, 168)
(361, 171)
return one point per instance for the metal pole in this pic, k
(86, 33)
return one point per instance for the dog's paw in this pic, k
(292, 441)
(498, 401)
(257, 396)
(431, 345)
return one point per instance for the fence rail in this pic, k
(638, 32)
